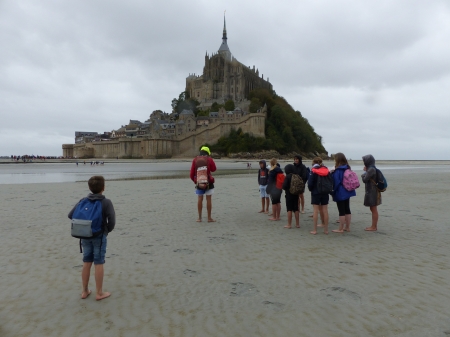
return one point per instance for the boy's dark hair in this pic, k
(96, 184)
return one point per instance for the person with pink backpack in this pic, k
(345, 183)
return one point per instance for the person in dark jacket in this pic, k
(372, 197)
(274, 192)
(263, 177)
(341, 196)
(204, 157)
(318, 200)
(94, 249)
(291, 199)
(300, 169)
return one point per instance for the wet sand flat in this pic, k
(241, 276)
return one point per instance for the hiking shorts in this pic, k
(200, 192)
(320, 199)
(263, 192)
(94, 249)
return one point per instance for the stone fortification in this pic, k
(186, 145)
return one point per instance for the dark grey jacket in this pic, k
(372, 196)
(108, 213)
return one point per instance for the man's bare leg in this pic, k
(297, 219)
(289, 216)
(200, 207)
(348, 219)
(85, 274)
(374, 211)
(209, 207)
(278, 211)
(322, 217)
(302, 203)
(267, 205)
(99, 283)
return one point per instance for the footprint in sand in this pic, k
(243, 289)
(340, 294)
(350, 263)
(183, 251)
(276, 306)
(190, 273)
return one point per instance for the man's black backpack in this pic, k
(325, 184)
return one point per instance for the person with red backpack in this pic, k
(202, 167)
(320, 183)
(341, 194)
(274, 188)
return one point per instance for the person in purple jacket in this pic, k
(341, 196)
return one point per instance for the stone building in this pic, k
(224, 78)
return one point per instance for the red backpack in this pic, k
(280, 180)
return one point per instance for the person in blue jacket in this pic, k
(341, 196)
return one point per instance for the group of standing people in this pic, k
(270, 187)
(273, 181)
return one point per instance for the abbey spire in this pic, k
(224, 50)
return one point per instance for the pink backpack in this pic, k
(350, 180)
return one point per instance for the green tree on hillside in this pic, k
(229, 105)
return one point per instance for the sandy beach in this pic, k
(241, 276)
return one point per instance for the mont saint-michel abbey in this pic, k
(166, 135)
(224, 78)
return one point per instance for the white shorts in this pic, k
(204, 192)
(262, 191)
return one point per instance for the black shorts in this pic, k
(320, 199)
(291, 202)
(275, 195)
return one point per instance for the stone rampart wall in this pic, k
(187, 146)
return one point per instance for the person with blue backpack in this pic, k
(341, 195)
(93, 218)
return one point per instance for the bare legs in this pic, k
(85, 274)
(208, 208)
(297, 219)
(276, 210)
(374, 211)
(301, 202)
(264, 205)
(323, 211)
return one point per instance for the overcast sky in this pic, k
(371, 76)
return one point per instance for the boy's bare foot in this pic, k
(313, 232)
(102, 296)
(370, 229)
(199, 220)
(325, 232)
(211, 220)
(85, 294)
(337, 231)
(289, 227)
(261, 211)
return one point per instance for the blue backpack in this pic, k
(87, 219)
(380, 181)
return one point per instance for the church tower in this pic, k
(224, 50)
